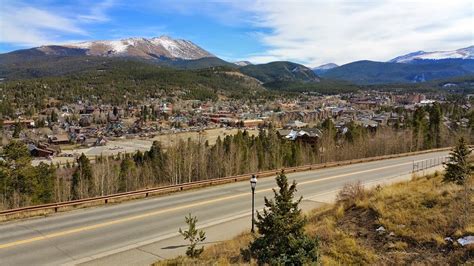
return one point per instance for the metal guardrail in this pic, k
(422, 165)
(67, 205)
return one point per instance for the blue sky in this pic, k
(311, 32)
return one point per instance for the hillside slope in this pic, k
(280, 71)
(118, 81)
(34, 65)
(370, 72)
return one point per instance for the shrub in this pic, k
(282, 238)
(194, 236)
(351, 193)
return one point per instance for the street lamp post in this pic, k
(253, 184)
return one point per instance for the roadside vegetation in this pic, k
(414, 222)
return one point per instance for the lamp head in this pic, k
(253, 181)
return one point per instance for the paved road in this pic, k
(80, 235)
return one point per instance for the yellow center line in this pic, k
(145, 215)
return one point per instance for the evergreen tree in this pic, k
(44, 184)
(17, 130)
(17, 175)
(282, 239)
(126, 168)
(420, 125)
(82, 174)
(194, 236)
(18, 152)
(458, 169)
(115, 111)
(138, 158)
(434, 133)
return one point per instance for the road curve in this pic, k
(78, 236)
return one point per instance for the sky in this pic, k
(310, 32)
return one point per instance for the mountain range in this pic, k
(164, 51)
(464, 53)
(410, 68)
(57, 60)
(324, 68)
(153, 48)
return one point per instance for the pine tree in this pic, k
(17, 152)
(458, 169)
(282, 239)
(194, 236)
(17, 131)
(83, 173)
(435, 125)
(44, 184)
(127, 167)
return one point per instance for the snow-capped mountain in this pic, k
(464, 53)
(324, 68)
(243, 63)
(153, 48)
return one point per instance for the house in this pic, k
(296, 124)
(36, 151)
(367, 123)
(307, 135)
(252, 122)
(92, 142)
(59, 139)
(23, 122)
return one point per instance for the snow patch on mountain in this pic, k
(145, 48)
(326, 66)
(464, 53)
(243, 63)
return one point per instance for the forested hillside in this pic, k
(280, 71)
(32, 65)
(116, 82)
(370, 72)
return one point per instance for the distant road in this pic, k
(115, 233)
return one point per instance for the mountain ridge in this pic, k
(462, 53)
(280, 71)
(324, 68)
(153, 48)
(372, 72)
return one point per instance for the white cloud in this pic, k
(27, 25)
(98, 12)
(340, 31)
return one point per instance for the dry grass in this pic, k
(224, 253)
(417, 216)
